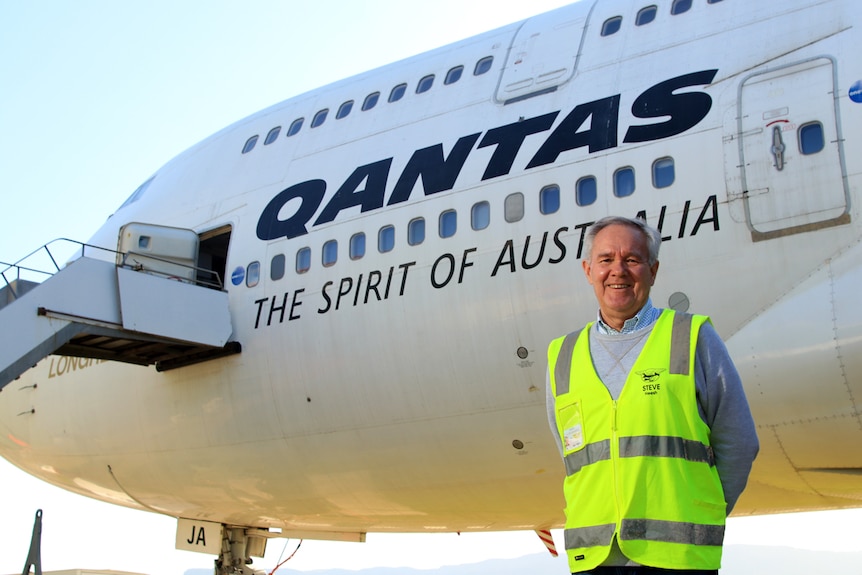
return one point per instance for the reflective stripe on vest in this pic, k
(646, 529)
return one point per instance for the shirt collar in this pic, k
(644, 318)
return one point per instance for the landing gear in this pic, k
(237, 547)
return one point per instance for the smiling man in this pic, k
(650, 417)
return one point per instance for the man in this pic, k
(651, 419)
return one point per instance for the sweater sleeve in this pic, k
(725, 409)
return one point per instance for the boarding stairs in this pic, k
(104, 304)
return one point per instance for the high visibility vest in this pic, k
(640, 468)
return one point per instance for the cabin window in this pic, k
(276, 267)
(549, 199)
(416, 231)
(513, 207)
(663, 173)
(272, 136)
(713, 1)
(624, 182)
(483, 65)
(386, 239)
(448, 223)
(612, 25)
(680, 6)
(319, 118)
(811, 138)
(586, 191)
(425, 84)
(397, 93)
(357, 246)
(344, 109)
(295, 126)
(249, 144)
(453, 75)
(330, 253)
(480, 215)
(252, 274)
(370, 101)
(646, 15)
(303, 260)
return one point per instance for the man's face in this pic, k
(618, 269)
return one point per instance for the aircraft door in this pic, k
(543, 56)
(791, 150)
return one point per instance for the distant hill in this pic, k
(738, 560)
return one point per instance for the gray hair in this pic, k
(652, 235)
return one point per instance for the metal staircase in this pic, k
(110, 305)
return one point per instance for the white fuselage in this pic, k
(404, 390)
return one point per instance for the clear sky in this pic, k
(97, 95)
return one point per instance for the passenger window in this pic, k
(624, 182)
(612, 25)
(330, 253)
(303, 260)
(272, 136)
(295, 126)
(276, 267)
(586, 191)
(319, 118)
(425, 84)
(483, 65)
(811, 138)
(680, 6)
(416, 231)
(249, 144)
(453, 75)
(713, 1)
(549, 199)
(252, 274)
(663, 173)
(480, 215)
(646, 15)
(357, 246)
(397, 93)
(448, 223)
(344, 109)
(386, 239)
(513, 207)
(370, 101)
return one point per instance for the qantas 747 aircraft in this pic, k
(331, 317)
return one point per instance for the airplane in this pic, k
(337, 354)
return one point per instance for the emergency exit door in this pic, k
(791, 152)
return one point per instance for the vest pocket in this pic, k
(571, 427)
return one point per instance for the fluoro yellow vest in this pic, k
(640, 468)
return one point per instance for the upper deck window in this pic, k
(249, 144)
(513, 207)
(272, 136)
(386, 239)
(344, 109)
(357, 246)
(397, 93)
(480, 215)
(295, 126)
(319, 118)
(448, 224)
(303, 260)
(646, 15)
(370, 101)
(483, 65)
(276, 267)
(549, 199)
(612, 25)
(425, 84)
(680, 6)
(330, 253)
(453, 75)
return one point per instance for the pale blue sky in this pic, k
(96, 95)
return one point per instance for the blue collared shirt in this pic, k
(644, 318)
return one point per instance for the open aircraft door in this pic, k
(791, 154)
